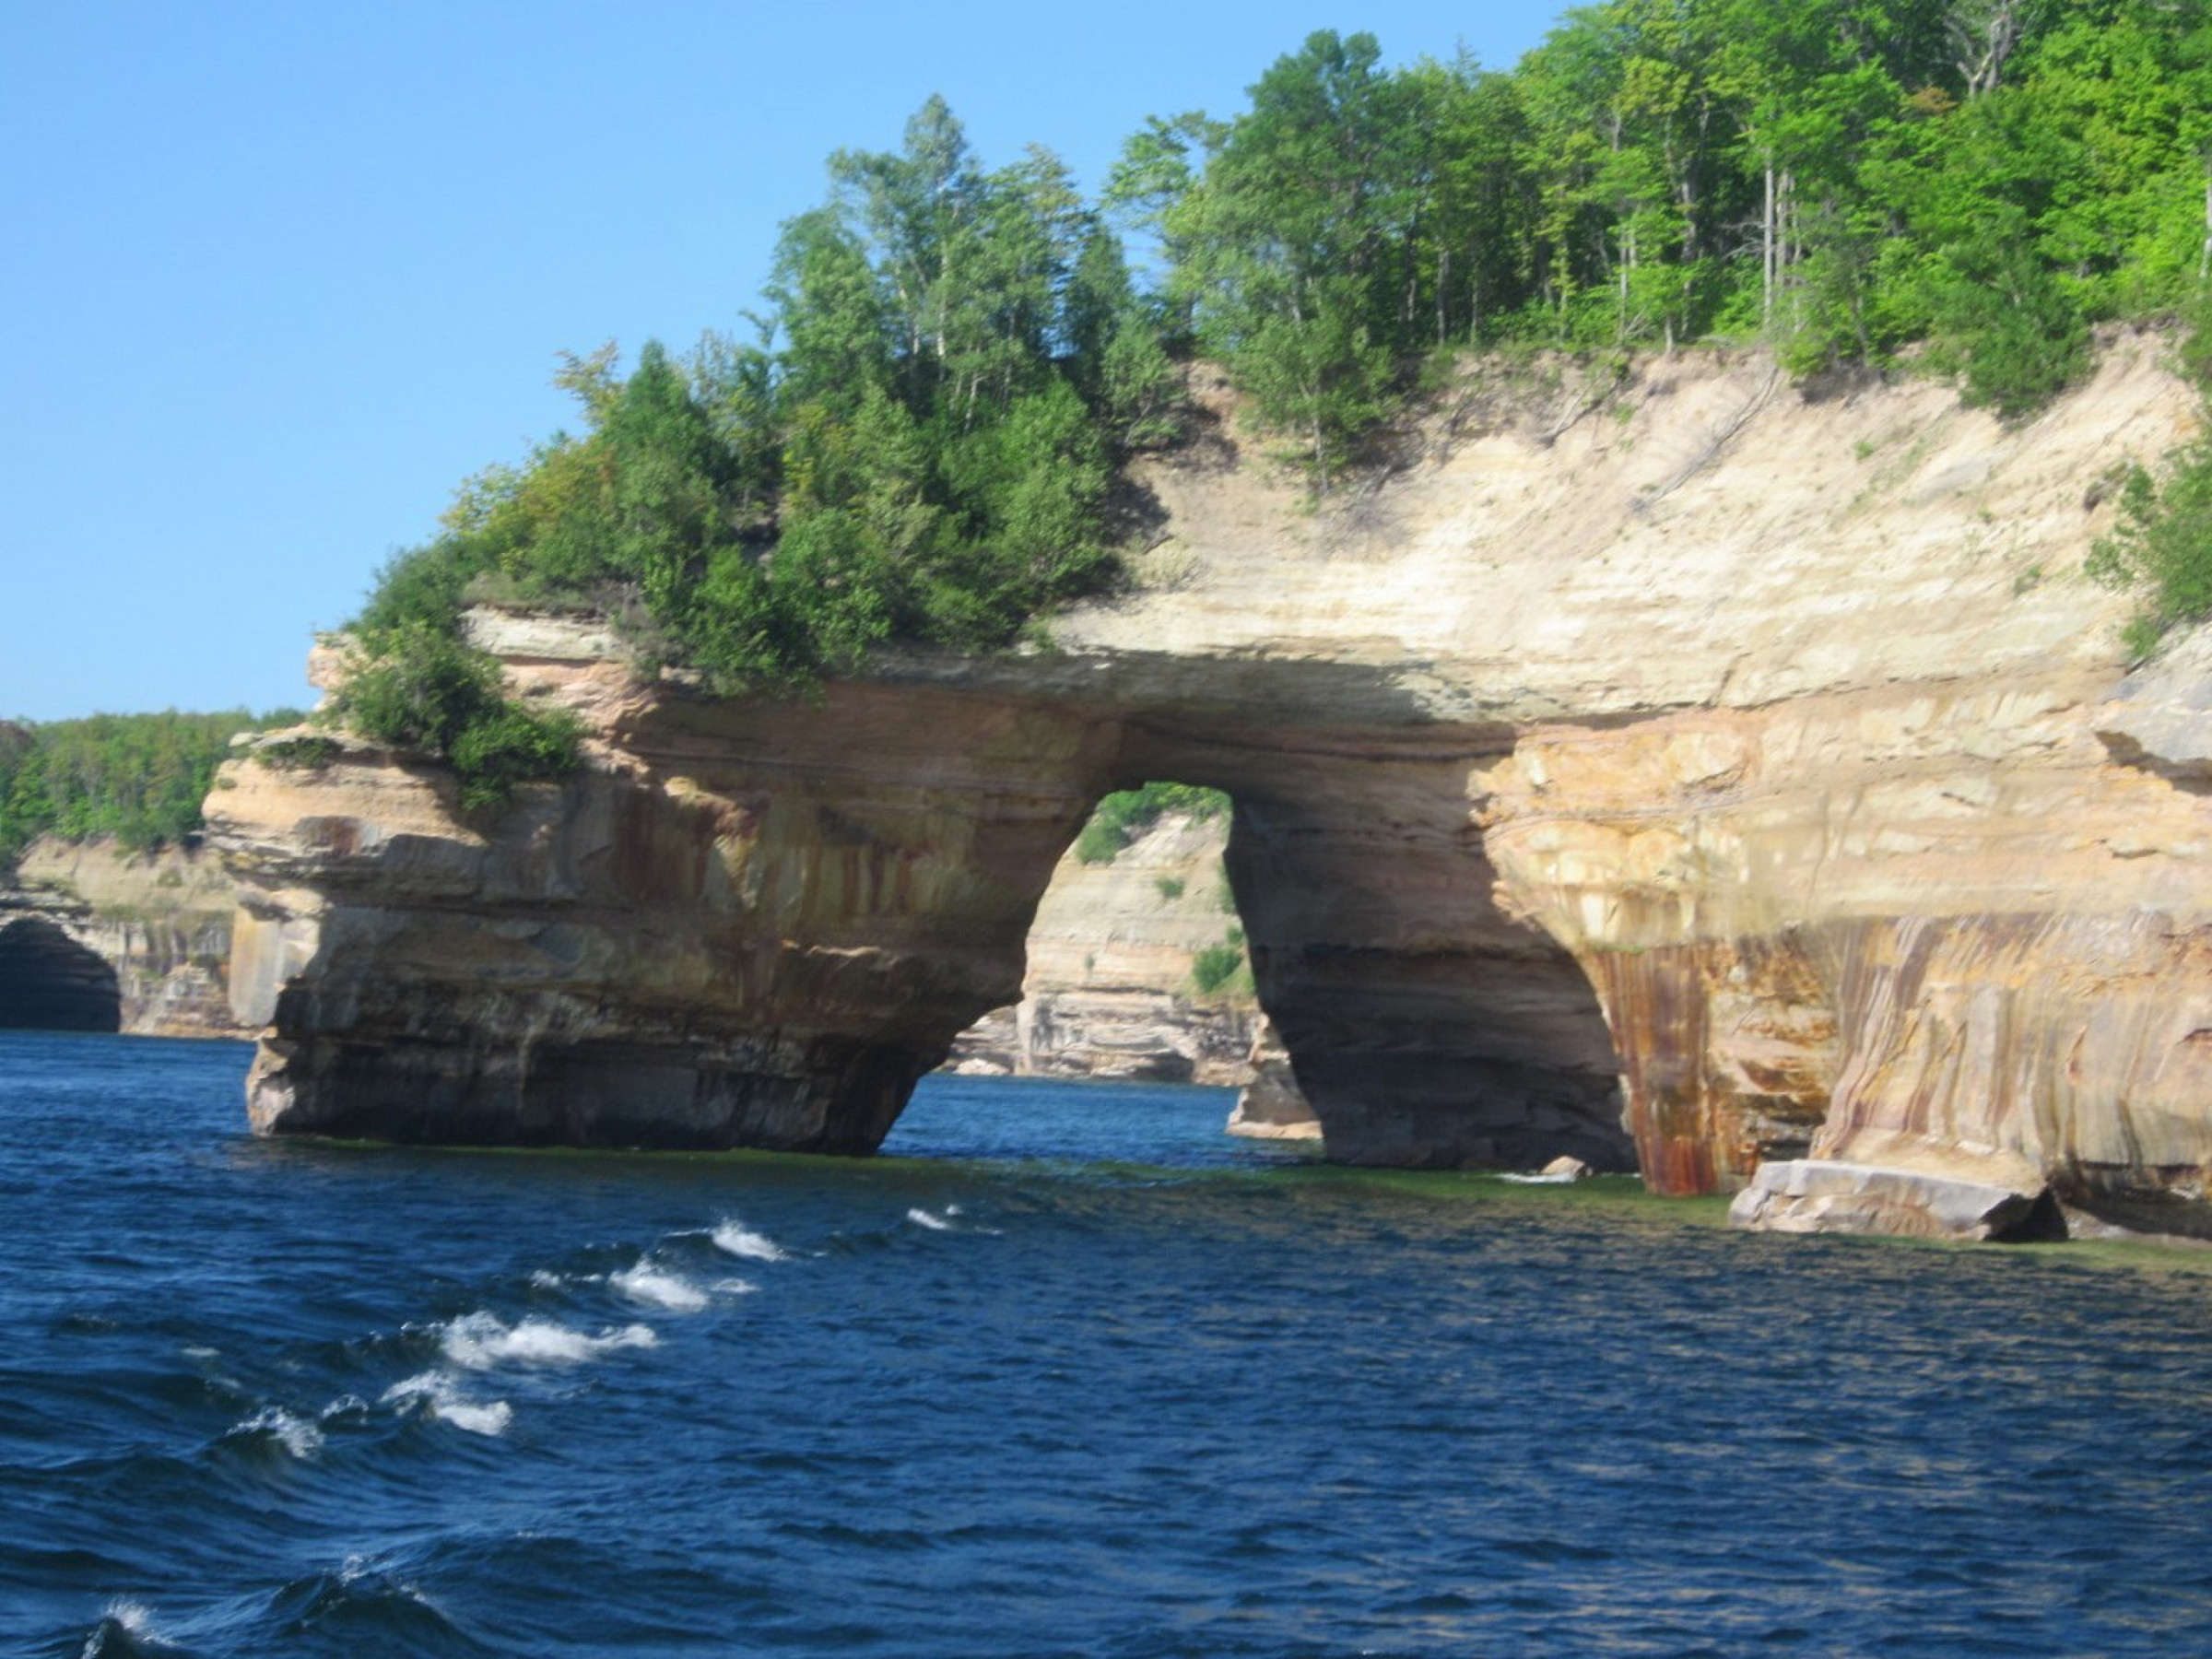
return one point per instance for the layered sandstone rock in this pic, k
(1108, 992)
(94, 937)
(740, 925)
(1678, 773)
(1270, 1105)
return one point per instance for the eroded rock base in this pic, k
(1812, 1195)
(826, 1097)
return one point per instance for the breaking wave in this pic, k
(440, 1397)
(484, 1342)
(649, 1283)
(734, 1238)
(124, 1626)
(295, 1434)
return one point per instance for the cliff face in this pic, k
(93, 937)
(744, 925)
(1679, 773)
(1108, 991)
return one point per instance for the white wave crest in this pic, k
(736, 1287)
(295, 1434)
(446, 1403)
(647, 1283)
(478, 1420)
(734, 1238)
(922, 1217)
(132, 1616)
(379, 1571)
(349, 1405)
(482, 1341)
(135, 1622)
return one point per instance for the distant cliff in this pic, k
(93, 937)
(1677, 770)
(1109, 990)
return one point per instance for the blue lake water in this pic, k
(1070, 1374)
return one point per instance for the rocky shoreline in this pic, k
(1682, 772)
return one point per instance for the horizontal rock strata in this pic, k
(1108, 991)
(1681, 773)
(93, 937)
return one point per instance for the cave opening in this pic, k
(50, 982)
(1137, 970)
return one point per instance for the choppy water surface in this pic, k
(1073, 1375)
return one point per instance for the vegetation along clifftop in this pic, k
(918, 443)
(1630, 755)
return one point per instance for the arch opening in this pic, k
(1133, 962)
(1422, 1026)
(50, 982)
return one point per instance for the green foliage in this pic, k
(2163, 543)
(509, 745)
(1122, 817)
(1099, 842)
(919, 444)
(1170, 888)
(919, 449)
(423, 690)
(1843, 178)
(296, 754)
(1215, 967)
(138, 778)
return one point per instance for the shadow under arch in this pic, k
(1425, 1025)
(50, 982)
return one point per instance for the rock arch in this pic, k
(1425, 1026)
(1678, 779)
(760, 924)
(50, 982)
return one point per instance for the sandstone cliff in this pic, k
(1108, 992)
(94, 937)
(1679, 773)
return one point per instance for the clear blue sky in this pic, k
(278, 275)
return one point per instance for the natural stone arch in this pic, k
(1866, 846)
(1425, 1026)
(50, 982)
(767, 922)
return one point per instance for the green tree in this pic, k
(138, 779)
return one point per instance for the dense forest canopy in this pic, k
(918, 438)
(138, 778)
(1842, 179)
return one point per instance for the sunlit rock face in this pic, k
(741, 926)
(1682, 773)
(1110, 990)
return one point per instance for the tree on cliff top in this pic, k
(919, 450)
(918, 445)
